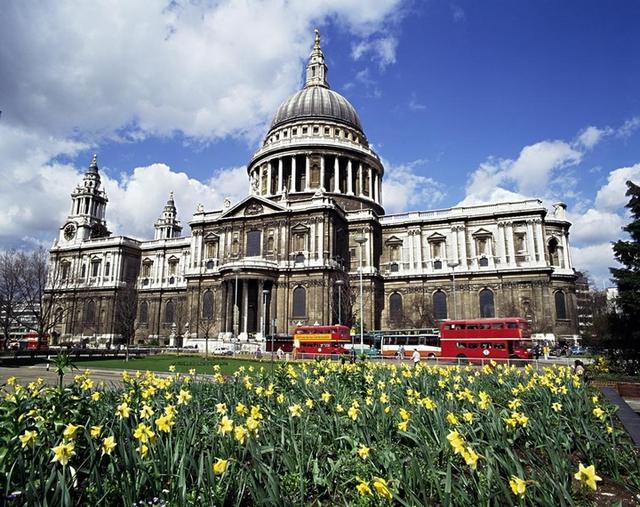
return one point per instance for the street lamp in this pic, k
(339, 284)
(453, 265)
(265, 295)
(236, 311)
(361, 240)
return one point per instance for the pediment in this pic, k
(482, 232)
(252, 206)
(300, 228)
(436, 236)
(393, 240)
(211, 237)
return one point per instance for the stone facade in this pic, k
(291, 251)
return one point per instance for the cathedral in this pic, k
(310, 237)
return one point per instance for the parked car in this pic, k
(578, 351)
(222, 351)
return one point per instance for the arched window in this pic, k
(299, 258)
(207, 305)
(395, 308)
(144, 313)
(393, 267)
(440, 311)
(299, 302)
(437, 265)
(561, 306)
(169, 312)
(484, 262)
(90, 312)
(552, 247)
(487, 309)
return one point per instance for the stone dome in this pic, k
(317, 102)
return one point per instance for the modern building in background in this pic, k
(313, 221)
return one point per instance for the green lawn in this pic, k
(183, 363)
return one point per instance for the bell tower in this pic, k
(86, 219)
(168, 226)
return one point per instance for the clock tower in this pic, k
(88, 205)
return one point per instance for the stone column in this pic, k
(336, 175)
(501, 249)
(280, 169)
(473, 264)
(565, 250)
(375, 187)
(312, 240)
(462, 247)
(349, 178)
(307, 172)
(530, 242)
(360, 172)
(512, 248)
(269, 181)
(454, 245)
(293, 173)
(418, 235)
(322, 172)
(321, 240)
(539, 241)
(370, 183)
(411, 250)
(260, 179)
(197, 262)
(245, 305)
(259, 314)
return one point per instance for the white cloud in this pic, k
(383, 50)
(596, 259)
(206, 69)
(591, 136)
(595, 226)
(612, 195)
(528, 175)
(404, 190)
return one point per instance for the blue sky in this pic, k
(466, 102)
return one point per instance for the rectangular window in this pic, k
(254, 240)
(95, 268)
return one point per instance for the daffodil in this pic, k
(143, 449)
(599, 413)
(192, 371)
(108, 445)
(403, 425)
(241, 409)
(364, 489)
(353, 412)
(295, 410)
(452, 419)
(363, 452)
(225, 425)
(325, 397)
(123, 410)
(28, 438)
(240, 434)
(220, 466)
(164, 423)
(96, 396)
(172, 368)
(468, 417)
(382, 488)
(143, 433)
(95, 431)
(256, 412)
(221, 408)
(70, 431)
(184, 397)
(556, 407)
(587, 475)
(518, 486)
(62, 453)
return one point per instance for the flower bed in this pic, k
(317, 433)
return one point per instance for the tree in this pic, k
(625, 333)
(9, 292)
(41, 292)
(127, 314)
(418, 313)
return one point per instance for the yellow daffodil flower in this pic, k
(353, 412)
(363, 452)
(220, 466)
(225, 426)
(325, 397)
(95, 431)
(382, 488)
(556, 407)
(518, 486)
(70, 431)
(364, 489)
(122, 410)
(295, 410)
(587, 476)
(28, 438)
(240, 434)
(108, 445)
(184, 397)
(62, 453)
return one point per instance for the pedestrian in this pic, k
(48, 361)
(578, 368)
(401, 352)
(279, 353)
(536, 351)
(415, 357)
(545, 352)
(352, 355)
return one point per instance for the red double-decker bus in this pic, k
(323, 340)
(506, 338)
